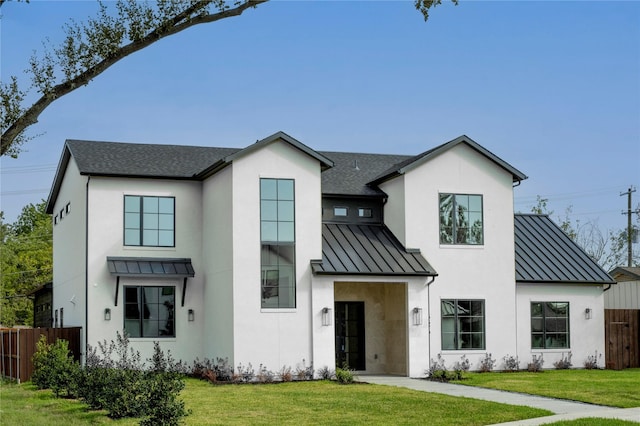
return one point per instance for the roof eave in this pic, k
(57, 180)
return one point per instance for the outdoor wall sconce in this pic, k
(326, 316)
(587, 313)
(417, 316)
(191, 315)
(107, 314)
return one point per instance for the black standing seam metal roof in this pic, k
(544, 253)
(150, 267)
(361, 249)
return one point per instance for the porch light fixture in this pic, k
(587, 313)
(107, 314)
(417, 316)
(190, 315)
(326, 316)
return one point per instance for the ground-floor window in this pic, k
(549, 325)
(462, 324)
(149, 311)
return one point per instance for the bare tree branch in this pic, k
(178, 23)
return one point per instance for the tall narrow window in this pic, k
(149, 221)
(149, 311)
(278, 244)
(461, 219)
(549, 325)
(462, 324)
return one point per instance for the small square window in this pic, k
(365, 212)
(340, 211)
(67, 208)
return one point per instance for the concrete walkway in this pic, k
(563, 409)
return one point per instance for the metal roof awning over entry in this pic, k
(358, 249)
(150, 267)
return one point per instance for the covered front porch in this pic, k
(370, 300)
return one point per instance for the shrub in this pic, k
(303, 372)
(535, 366)
(264, 375)
(460, 367)
(245, 374)
(438, 370)
(325, 373)
(344, 375)
(564, 362)
(591, 363)
(54, 368)
(285, 374)
(163, 406)
(486, 363)
(511, 363)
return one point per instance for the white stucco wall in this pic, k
(106, 203)
(586, 335)
(465, 272)
(68, 250)
(217, 254)
(273, 337)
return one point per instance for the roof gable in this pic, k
(545, 254)
(626, 273)
(325, 163)
(417, 160)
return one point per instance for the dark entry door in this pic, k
(350, 335)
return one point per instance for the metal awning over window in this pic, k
(150, 267)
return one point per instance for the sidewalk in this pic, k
(564, 410)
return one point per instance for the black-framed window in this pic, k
(461, 219)
(366, 212)
(463, 324)
(549, 325)
(340, 211)
(149, 311)
(278, 244)
(149, 221)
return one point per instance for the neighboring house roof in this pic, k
(150, 267)
(626, 273)
(359, 249)
(419, 159)
(545, 254)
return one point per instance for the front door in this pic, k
(350, 335)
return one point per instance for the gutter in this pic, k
(86, 271)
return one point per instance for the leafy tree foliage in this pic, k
(25, 262)
(90, 48)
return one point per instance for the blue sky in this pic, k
(551, 87)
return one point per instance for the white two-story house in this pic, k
(277, 254)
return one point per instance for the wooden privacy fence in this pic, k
(622, 338)
(18, 345)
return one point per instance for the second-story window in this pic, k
(278, 243)
(149, 221)
(461, 219)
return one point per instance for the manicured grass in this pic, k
(321, 403)
(603, 387)
(593, 421)
(25, 405)
(328, 403)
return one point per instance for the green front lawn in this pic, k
(602, 387)
(317, 402)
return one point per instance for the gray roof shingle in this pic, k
(545, 254)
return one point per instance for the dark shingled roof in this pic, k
(545, 254)
(357, 249)
(144, 160)
(351, 172)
